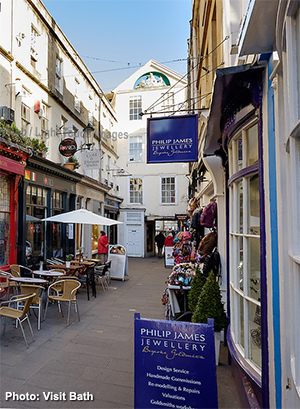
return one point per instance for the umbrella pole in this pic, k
(80, 244)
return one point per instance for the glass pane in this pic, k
(240, 220)
(240, 153)
(40, 196)
(255, 334)
(254, 267)
(4, 239)
(240, 264)
(252, 142)
(95, 236)
(242, 339)
(28, 189)
(254, 221)
(34, 194)
(4, 194)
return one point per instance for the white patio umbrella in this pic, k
(81, 216)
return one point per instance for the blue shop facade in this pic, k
(253, 129)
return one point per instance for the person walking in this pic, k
(160, 241)
(103, 247)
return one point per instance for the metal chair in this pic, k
(6, 283)
(36, 303)
(99, 273)
(18, 315)
(68, 295)
(107, 271)
(17, 270)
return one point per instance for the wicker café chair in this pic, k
(17, 270)
(68, 295)
(16, 314)
(36, 303)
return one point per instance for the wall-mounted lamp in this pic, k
(88, 137)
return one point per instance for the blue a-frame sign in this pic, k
(174, 365)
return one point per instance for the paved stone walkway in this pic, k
(93, 356)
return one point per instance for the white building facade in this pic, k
(50, 94)
(153, 193)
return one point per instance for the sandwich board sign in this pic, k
(174, 365)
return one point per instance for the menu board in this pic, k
(169, 259)
(174, 365)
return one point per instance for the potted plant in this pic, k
(196, 287)
(210, 305)
(68, 260)
(72, 163)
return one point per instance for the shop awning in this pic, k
(259, 33)
(234, 88)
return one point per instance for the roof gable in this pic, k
(152, 74)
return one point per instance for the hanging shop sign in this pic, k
(174, 364)
(91, 159)
(67, 147)
(172, 139)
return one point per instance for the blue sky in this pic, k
(110, 34)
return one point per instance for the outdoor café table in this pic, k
(28, 280)
(92, 260)
(89, 275)
(70, 270)
(47, 273)
(83, 263)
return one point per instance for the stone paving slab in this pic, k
(96, 354)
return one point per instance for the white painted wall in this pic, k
(150, 173)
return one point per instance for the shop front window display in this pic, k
(178, 284)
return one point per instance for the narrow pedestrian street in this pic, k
(93, 356)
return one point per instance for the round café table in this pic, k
(29, 280)
(47, 273)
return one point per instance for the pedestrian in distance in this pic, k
(160, 241)
(103, 247)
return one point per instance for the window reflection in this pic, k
(255, 334)
(252, 144)
(254, 268)
(254, 220)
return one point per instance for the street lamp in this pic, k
(88, 136)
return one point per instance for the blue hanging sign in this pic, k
(174, 365)
(172, 139)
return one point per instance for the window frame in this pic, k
(142, 196)
(141, 149)
(242, 299)
(58, 73)
(135, 111)
(33, 44)
(160, 190)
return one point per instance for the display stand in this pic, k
(174, 304)
(169, 259)
(117, 254)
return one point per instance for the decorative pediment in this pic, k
(151, 79)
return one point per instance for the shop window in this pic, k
(4, 219)
(36, 199)
(136, 191)
(57, 208)
(167, 190)
(244, 244)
